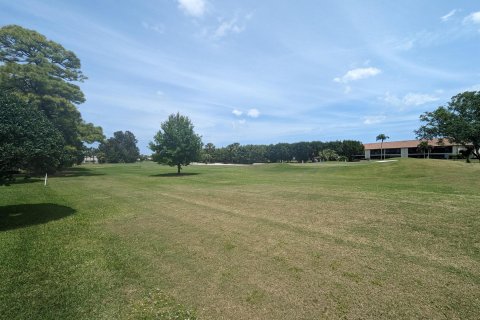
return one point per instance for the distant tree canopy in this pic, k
(283, 152)
(122, 147)
(458, 122)
(176, 144)
(350, 148)
(29, 141)
(43, 74)
(208, 153)
(328, 155)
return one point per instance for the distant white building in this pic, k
(409, 148)
(90, 159)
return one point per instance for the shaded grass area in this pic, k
(364, 240)
(23, 215)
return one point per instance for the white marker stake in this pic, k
(45, 179)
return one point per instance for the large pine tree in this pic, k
(44, 74)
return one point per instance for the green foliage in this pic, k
(176, 144)
(328, 155)
(458, 122)
(27, 47)
(90, 133)
(302, 151)
(281, 152)
(28, 139)
(351, 148)
(233, 153)
(122, 147)
(382, 137)
(43, 73)
(208, 153)
(424, 147)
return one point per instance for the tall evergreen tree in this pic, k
(43, 74)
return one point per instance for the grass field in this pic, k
(365, 240)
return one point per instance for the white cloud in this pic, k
(195, 8)
(410, 99)
(373, 119)
(236, 112)
(242, 121)
(417, 99)
(392, 99)
(154, 27)
(226, 27)
(473, 17)
(448, 15)
(253, 113)
(358, 74)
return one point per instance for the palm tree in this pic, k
(382, 137)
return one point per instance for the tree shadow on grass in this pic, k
(175, 175)
(22, 180)
(77, 172)
(24, 215)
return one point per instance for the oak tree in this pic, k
(458, 121)
(176, 144)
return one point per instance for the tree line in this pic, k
(177, 143)
(346, 150)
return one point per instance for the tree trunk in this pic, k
(179, 167)
(476, 152)
(381, 151)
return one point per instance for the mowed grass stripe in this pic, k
(252, 220)
(186, 197)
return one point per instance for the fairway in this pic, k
(277, 241)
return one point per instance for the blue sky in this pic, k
(264, 71)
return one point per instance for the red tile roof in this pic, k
(404, 144)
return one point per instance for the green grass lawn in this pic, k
(365, 240)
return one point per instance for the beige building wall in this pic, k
(367, 154)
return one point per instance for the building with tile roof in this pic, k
(409, 148)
